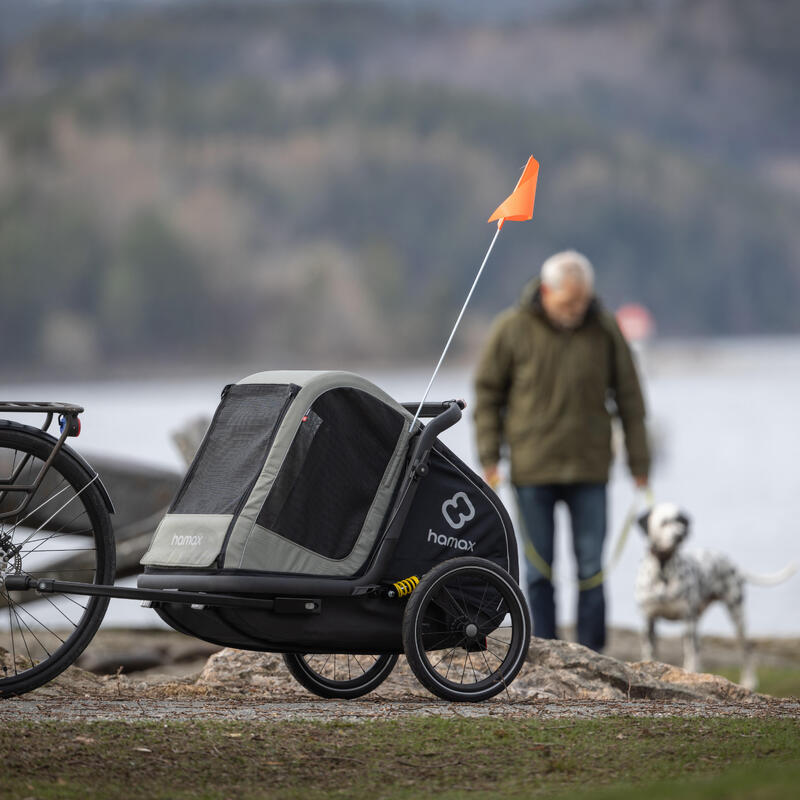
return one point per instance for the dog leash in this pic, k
(594, 580)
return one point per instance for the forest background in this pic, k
(190, 184)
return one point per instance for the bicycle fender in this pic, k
(70, 453)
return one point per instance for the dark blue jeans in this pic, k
(587, 509)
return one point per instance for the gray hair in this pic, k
(567, 264)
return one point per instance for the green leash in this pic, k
(595, 580)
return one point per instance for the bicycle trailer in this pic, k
(315, 521)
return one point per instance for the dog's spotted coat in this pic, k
(680, 586)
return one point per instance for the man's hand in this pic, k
(491, 475)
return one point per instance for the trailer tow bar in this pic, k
(21, 583)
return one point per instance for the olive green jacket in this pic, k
(550, 394)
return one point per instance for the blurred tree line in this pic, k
(236, 181)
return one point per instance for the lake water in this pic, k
(724, 414)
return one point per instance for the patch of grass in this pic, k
(771, 782)
(776, 681)
(491, 758)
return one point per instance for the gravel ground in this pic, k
(132, 709)
(228, 690)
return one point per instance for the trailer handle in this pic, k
(441, 422)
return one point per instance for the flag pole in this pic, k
(517, 206)
(452, 333)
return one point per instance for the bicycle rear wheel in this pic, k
(65, 533)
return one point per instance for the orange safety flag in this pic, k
(518, 206)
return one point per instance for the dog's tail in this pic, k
(774, 579)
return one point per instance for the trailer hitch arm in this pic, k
(21, 583)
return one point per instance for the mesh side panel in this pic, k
(234, 450)
(333, 472)
(291, 469)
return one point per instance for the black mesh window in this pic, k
(334, 467)
(234, 449)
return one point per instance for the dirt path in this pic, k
(559, 681)
(132, 709)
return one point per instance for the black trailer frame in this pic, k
(223, 591)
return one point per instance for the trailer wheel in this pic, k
(65, 533)
(340, 675)
(466, 629)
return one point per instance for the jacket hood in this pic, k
(531, 296)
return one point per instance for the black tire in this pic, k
(40, 636)
(453, 632)
(321, 674)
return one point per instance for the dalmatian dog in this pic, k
(675, 585)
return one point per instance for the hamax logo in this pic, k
(184, 541)
(458, 500)
(450, 541)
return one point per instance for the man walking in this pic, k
(554, 371)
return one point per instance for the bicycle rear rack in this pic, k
(70, 425)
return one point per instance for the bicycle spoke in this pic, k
(20, 620)
(25, 642)
(74, 497)
(321, 670)
(75, 602)
(59, 533)
(447, 653)
(455, 603)
(463, 671)
(17, 524)
(488, 666)
(439, 642)
(500, 616)
(472, 667)
(494, 655)
(11, 630)
(52, 633)
(60, 611)
(450, 663)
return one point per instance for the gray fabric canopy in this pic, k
(295, 475)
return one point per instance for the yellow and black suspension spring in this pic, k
(405, 586)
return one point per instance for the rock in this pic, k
(554, 670)
(566, 670)
(236, 669)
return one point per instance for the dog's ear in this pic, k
(644, 521)
(686, 521)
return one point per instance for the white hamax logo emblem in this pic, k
(192, 541)
(453, 502)
(450, 541)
